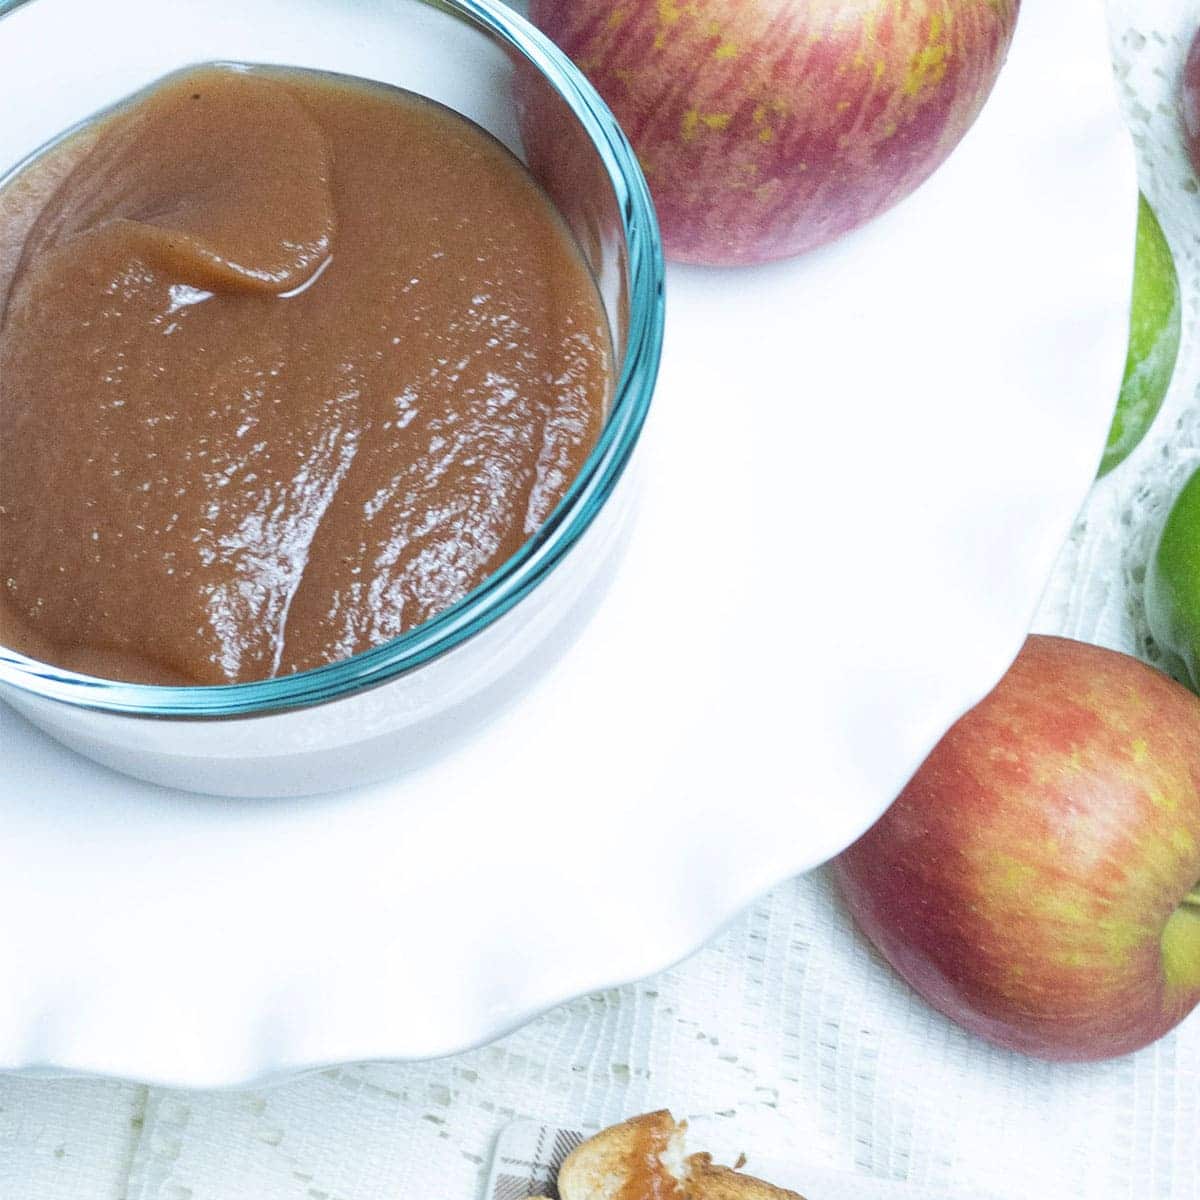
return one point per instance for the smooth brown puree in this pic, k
(288, 364)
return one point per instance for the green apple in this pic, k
(1155, 327)
(1173, 582)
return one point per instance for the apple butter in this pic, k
(647, 1177)
(289, 363)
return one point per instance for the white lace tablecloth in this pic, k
(786, 1036)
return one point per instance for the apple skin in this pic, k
(1155, 331)
(769, 127)
(1191, 101)
(1038, 881)
(1173, 583)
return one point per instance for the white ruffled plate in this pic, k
(854, 482)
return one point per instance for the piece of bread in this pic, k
(644, 1159)
(710, 1181)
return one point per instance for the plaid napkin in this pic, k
(527, 1160)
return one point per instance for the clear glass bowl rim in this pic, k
(546, 549)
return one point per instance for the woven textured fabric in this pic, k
(1096, 591)
(786, 1037)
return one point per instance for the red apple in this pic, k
(1191, 101)
(1038, 881)
(768, 127)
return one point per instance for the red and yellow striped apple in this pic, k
(1038, 881)
(1191, 101)
(769, 127)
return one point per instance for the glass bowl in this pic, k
(392, 706)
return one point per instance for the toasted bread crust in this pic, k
(607, 1166)
(591, 1170)
(710, 1181)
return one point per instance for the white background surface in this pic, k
(785, 1036)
